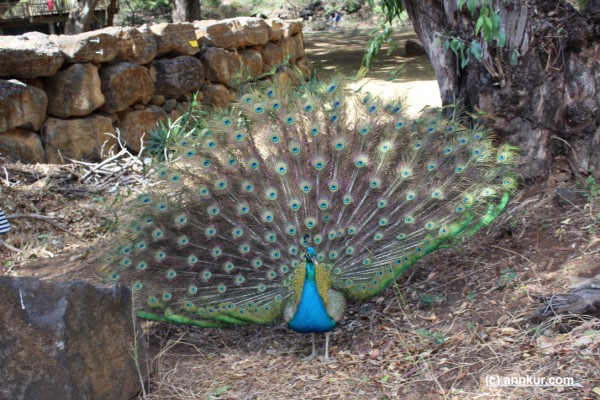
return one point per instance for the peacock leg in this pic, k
(327, 346)
(314, 350)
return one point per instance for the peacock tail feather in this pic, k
(221, 240)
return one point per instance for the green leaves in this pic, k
(476, 50)
(487, 27)
(378, 39)
(471, 6)
(488, 21)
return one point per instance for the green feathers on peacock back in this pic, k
(220, 239)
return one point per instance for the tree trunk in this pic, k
(80, 17)
(186, 10)
(110, 12)
(549, 102)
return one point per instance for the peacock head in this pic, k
(311, 255)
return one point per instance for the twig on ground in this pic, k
(39, 217)
(8, 246)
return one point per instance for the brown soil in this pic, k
(461, 315)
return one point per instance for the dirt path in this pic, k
(342, 52)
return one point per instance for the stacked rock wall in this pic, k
(61, 96)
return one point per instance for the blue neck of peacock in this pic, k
(311, 314)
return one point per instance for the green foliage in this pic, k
(592, 194)
(390, 10)
(488, 21)
(592, 190)
(348, 6)
(429, 299)
(378, 39)
(436, 337)
(487, 28)
(218, 392)
(507, 276)
(162, 140)
(136, 12)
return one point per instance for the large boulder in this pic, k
(21, 106)
(22, 145)
(276, 31)
(291, 27)
(234, 33)
(271, 56)
(175, 77)
(124, 85)
(94, 46)
(135, 45)
(74, 91)
(292, 47)
(175, 39)
(84, 138)
(68, 341)
(29, 56)
(414, 48)
(135, 125)
(251, 62)
(221, 66)
(216, 95)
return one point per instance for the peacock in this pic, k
(300, 196)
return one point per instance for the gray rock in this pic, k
(75, 91)
(86, 138)
(175, 39)
(177, 76)
(21, 106)
(169, 105)
(67, 341)
(22, 145)
(124, 85)
(94, 46)
(29, 56)
(136, 125)
(414, 48)
(233, 33)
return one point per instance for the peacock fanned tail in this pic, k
(220, 240)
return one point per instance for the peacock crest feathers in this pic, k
(221, 239)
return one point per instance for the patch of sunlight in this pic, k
(414, 94)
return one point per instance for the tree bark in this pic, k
(110, 12)
(186, 10)
(80, 17)
(549, 102)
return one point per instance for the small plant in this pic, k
(218, 392)
(592, 190)
(436, 337)
(429, 299)
(592, 195)
(507, 276)
(165, 137)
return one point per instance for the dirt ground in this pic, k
(460, 316)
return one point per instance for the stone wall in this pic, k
(61, 95)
